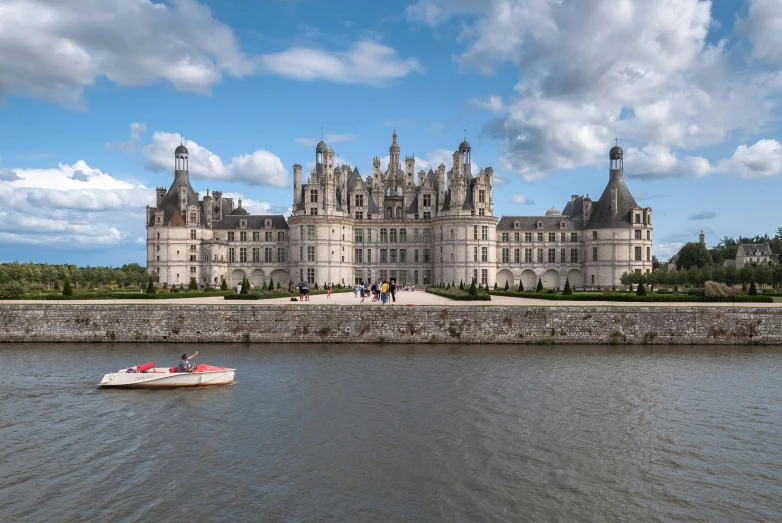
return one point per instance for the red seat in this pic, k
(173, 369)
(146, 366)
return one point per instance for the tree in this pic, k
(521, 286)
(641, 290)
(693, 255)
(539, 288)
(245, 286)
(567, 291)
(151, 286)
(271, 284)
(224, 286)
(507, 286)
(66, 288)
(655, 262)
(752, 290)
(495, 285)
(193, 285)
(473, 290)
(461, 285)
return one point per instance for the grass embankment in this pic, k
(454, 293)
(630, 297)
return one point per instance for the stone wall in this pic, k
(408, 324)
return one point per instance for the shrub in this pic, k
(263, 286)
(193, 285)
(631, 286)
(209, 288)
(461, 285)
(753, 291)
(57, 285)
(174, 289)
(245, 286)
(66, 288)
(150, 287)
(224, 286)
(278, 285)
(271, 284)
(641, 290)
(567, 291)
(521, 286)
(507, 285)
(495, 285)
(473, 290)
(458, 295)
(11, 291)
(540, 286)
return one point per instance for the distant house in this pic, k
(751, 253)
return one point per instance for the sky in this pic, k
(96, 94)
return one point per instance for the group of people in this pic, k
(384, 292)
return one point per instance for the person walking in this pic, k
(361, 291)
(328, 292)
(239, 288)
(384, 293)
(392, 289)
(374, 292)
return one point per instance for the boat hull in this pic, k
(162, 378)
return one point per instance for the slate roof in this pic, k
(749, 249)
(602, 216)
(253, 222)
(170, 203)
(530, 223)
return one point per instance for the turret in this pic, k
(296, 185)
(206, 209)
(393, 151)
(376, 167)
(421, 176)
(465, 150)
(160, 193)
(457, 164)
(410, 165)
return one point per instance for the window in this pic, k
(452, 234)
(648, 235)
(313, 196)
(427, 215)
(267, 254)
(484, 276)
(594, 235)
(594, 253)
(158, 236)
(398, 212)
(243, 254)
(359, 215)
(528, 237)
(527, 255)
(383, 235)
(474, 232)
(516, 236)
(280, 255)
(193, 217)
(402, 235)
(573, 255)
(314, 211)
(192, 257)
(481, 212)
(157, 248)
(563, 256)
(389, 213)
(311, 275)
(231, 254)
(637, 254)
(310, 254)
(359, 200)
(552, 236)
(540, 255)
(358, 256)
(415, 255)
(256, 254)
(505, 237)
(593, 279)
(648, 254)
(393, 255)
(280, 236)
(484, 254)
(231, 236)
(383, 256)
(562, 237)
(243, 236)
(427, 256)
(192, 270)
(427, 200)
(415, 235)
(310, 232)
(637, 218)
(481, 196)
(638, 234)
(540, 236)
(369, 235)
(427, 277)
(402, 255)
(484, 232)
(358, 277)
(369, 257)
(192, 247)
(358, 235)
(516, 255)
(192, 234)
(427, 235)
(552, 256)
(505, 255)
(268, 236)
(475, 254)
(573, 236)
(475, 275)
(393, 236)
(301, 254)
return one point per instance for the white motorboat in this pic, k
(149, 376)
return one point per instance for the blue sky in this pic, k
(95, 94)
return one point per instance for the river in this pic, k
(395, 433)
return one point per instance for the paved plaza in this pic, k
(417, 298)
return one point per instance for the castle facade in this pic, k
(395, 224)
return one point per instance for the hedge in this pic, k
(278, 294)
(461, 295)
(681, 298)
(160, 295)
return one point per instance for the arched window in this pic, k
(393, 235)
(403, 235)
(384, 235)
(399, 191)
(389, 212)
(398, 212)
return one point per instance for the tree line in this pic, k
(761, 274)
(49, 274)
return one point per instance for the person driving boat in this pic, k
(184, 364)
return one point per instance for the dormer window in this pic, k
(540, 225)
(243, 224)
(267, 223)
(516, 225)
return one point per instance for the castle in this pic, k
(396, 224)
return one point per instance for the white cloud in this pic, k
(257, 207)
(7, 175)
(493, 104)
(656, 161)
(366, 62)
(137, 130)
(763, 28)
(258, 168)
(703, 215)
(54, 49)
(329, 138)
(761, 160)
(648, 75)
(520, 199)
